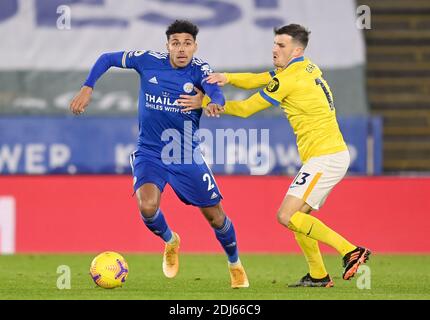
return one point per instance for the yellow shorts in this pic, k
(318, 177)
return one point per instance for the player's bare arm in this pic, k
(247, 80)
(102, 65)
(81, 100)
(217, 78)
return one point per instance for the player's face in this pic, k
(181, 48)
(285, 49)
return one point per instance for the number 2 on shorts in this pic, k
(207, 177)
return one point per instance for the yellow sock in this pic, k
(312, 253)
(315, 229)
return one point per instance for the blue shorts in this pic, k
(193, 183)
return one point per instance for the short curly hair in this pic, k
(182, 26)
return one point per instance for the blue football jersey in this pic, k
(167, 133)
(161, 120)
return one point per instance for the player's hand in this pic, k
(81, 100)
(214, 110)
(218, 78)
(189, 102)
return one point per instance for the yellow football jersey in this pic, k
(307, 101)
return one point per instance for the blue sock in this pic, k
(227, 237)
(157, 224)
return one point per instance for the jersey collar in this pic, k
(298, 59)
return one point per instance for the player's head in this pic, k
(290, 42)
(181, 42)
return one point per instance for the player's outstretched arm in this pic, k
(241, 80)
(243, 109)
(246, 108)
(214, 93)
(217, 99)
(103, 63)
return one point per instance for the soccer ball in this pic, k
(109, 270)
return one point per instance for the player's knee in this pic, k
(283, 217)
(216, 221)
(215, 216)
(148, 207)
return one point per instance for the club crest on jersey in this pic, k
(310, 68)
(188, 87)
(273, 85)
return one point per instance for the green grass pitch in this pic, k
(205, 276)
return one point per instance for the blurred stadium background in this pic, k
(65, 183)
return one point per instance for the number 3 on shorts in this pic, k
(301, 178)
